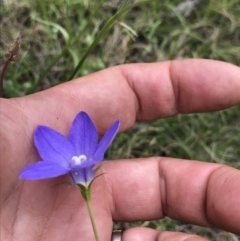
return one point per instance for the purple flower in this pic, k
(75, 155)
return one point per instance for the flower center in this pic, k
(77, 160)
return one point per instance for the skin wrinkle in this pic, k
(131, 84)
(109, 188)
(134, 108)
(46, 219)
(17, 212)
(21, 202)
(163, 187)
(25, 122)
(205, 197)
(31, 153)
(73, 217)
(64, 199)
(208, 218)
(73, 96)
(156, 238)
(175, 87)
(8, 195)
(18, 107)
(15, 186)
(49, 215)
(5, 202)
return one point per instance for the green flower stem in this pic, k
(89, 206)
(86, 193)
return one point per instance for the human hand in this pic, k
(196, 192)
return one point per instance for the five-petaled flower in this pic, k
(76, 155)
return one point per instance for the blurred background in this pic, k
(62, 39)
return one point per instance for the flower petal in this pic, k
(53, 146)
(42, 170)
(105, 142)
(83, 135)
(82, 175)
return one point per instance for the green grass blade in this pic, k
(55, 26)
(65, 50)
(102, 33)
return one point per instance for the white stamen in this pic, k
(79, 159)
(75, 173)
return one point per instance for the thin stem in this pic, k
(13, 54)
(55, 60)
(101, 34)
(2, 74)
(90, 211)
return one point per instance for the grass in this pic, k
(56, 34)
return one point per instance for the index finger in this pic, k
(138, 91)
